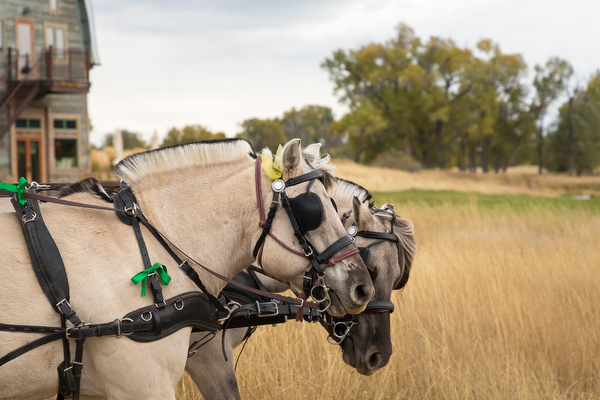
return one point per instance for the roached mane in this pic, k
(88, 185)
(138, 165)
(403, 227)
(347, 190)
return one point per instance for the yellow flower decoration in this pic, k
(271, 165)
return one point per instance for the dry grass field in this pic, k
(503, 303)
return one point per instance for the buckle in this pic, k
(70, 328)
(269, 309)
(63, 301)
(119, 321)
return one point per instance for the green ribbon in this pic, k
(18, 189)
(160, 269)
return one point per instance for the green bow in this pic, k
(160, 269)
(18, 189)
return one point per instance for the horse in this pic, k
(366, 339)
(202, 200)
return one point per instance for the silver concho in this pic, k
(278, 185)
(352, 231)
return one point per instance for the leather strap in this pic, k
(378, 235)
(45, 258)
(32, 345)
(378, 307)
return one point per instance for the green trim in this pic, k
(65, 124)
(28, 123)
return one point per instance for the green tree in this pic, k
(263, 133)
(190, 133)
(311, 123)
(362, 129)
(413, 85)
(574, 144)
(131, 140)
(550, 82)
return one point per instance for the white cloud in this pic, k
(174, 63)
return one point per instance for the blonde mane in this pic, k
(206, 153)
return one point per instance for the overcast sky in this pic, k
(217, 63)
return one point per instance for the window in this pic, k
(65, 124)
(5, 156)
(55, 38)
(1, 35)
(65, 153)
(29, 123)
(53, 6)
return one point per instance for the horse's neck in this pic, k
(207, 214)
(273, 285)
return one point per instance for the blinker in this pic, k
(365, 254)
(308, 209)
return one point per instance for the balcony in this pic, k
(57, 70)
(50, 71)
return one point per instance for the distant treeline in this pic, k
(416, 104)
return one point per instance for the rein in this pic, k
(137, 213)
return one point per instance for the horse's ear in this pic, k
(365, 221)
(291, 159)
(313, 149)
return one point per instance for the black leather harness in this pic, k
(201, 311)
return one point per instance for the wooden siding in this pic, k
(63, 104)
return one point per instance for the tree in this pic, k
(412, 85)
(131, 140)
(311, 123)
(190, 133)
(362, 129)
(577, 131)
(263, 133)
(550, 82)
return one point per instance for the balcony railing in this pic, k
(49, 65)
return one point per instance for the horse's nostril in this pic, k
(362, 294)
(374, 360)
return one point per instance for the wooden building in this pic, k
(47, 48)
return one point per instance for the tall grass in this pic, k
(503, 303)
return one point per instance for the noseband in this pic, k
(339, 328)
(305, 213)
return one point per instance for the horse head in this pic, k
(344, 284)
(387, 246)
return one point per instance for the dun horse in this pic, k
(365, 338)
(202, 198)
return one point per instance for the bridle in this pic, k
(339, 327)
(298, 209)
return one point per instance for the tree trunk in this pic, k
(473, 162)
(541, 146)
(429, 154)
(485, 153)
(462, 160)
(439, 124)
(570, 155)
(514, 153)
